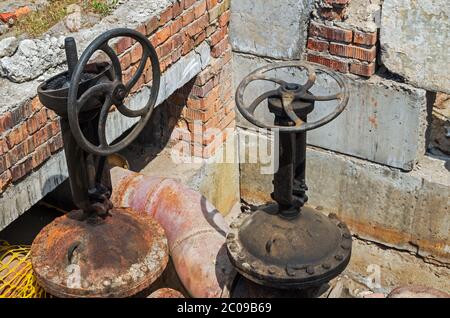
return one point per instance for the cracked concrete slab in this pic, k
(414, 41)
(270, 28)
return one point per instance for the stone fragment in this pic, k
(8, 46)
(32, 59)
(73, 20)
(415, 291)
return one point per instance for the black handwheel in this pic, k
(288, 92)
(114, 92)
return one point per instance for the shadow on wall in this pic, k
(156, 135)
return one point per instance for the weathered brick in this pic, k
(165, 63)
(125, 60)
(176, 26)
(55, 128)
(42, 135)
(177, 40)
(217, 36)
(161, 35)
(352, 51)
(187, 17)
(201, 91)
(18, 153)
(3, 146)
(56, 143)
(166, 48)
(200, 9)
(333, 14)
(17, 135)
(188, 3)
(199, 38)
(177, 8)
(230, 106)
(364, 38)
(5, 180)
(226, 121)
(5, 122)
(362, 69)
(331, 63)
(330, 33)
(36, 104)
(211, 4)
(123, 44)
(51, 114)
(197, 26)
(196, 114)
(136, 53)
(188, 45)
(224, 19)
(41, 154)
(37, 121)
(21, 169)
(220, 48)
(176, 54)
(317, 45)
(151, 26)
(166, 16)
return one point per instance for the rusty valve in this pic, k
(98, 250)
(285, 244)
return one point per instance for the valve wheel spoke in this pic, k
(258, 100)
(310, 97)
(134, 79)
(114, 60)
(94, 91)
(101, 129)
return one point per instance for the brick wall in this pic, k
(340, 46)
(30, 134)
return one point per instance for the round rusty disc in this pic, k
(306, 251)
(118, 256)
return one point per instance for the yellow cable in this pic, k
(17, 279)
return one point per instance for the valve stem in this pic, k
(71, 54)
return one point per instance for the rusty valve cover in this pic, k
(306, 251)
(117, 256)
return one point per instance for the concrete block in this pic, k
(270, 28)
(406, 210)
(414, 41)
(384, 122)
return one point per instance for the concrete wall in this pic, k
(270, 28)
(405, 210)
(414, 41)
(385, 121)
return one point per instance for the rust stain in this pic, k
(393, 236)
(116, 256)
(373, 121)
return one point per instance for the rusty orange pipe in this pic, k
(194, 228)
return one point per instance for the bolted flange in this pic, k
(117, 256)
(306, 251)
